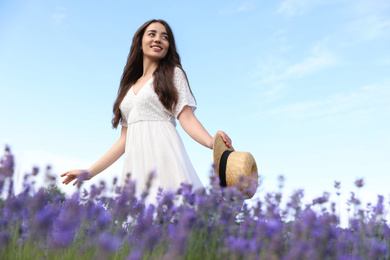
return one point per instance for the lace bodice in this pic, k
(145, 106)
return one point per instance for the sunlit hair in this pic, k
(163, 75)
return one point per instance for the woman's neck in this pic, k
(149, 67)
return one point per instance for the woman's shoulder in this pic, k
(178, 69)
(178, 72)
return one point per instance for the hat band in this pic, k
(222, 168)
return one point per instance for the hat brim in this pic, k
(241, 171)
(241, 167)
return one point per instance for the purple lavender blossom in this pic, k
(5, 239)
(321, 200)
(359, 183)
(7, 162)
(35, 170)
(135, 255)
(66, 225)
(43, 220)
(81, 178)
(7, 170)
(108, 242)
(212, 222)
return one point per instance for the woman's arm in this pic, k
(195, 129)
(116, 151)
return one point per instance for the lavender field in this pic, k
(102, 222)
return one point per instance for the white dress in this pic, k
(153, 143)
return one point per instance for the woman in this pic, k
(153, 91)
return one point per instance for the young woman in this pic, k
(153, 92)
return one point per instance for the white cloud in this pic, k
(275, 92)
(245, 7)
(371, 26)
(273, 76)
(309, 65)
(365, 100)
(59, 15)
(297, 7)
(233, 9)
(372, 19)
(275, 70)
(385, 61)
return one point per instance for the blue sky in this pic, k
(302, 85)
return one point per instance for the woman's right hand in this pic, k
(226, 139)
(75, 175)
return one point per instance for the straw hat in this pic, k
(235, 168)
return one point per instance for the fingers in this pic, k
(68, 179)
(225, 138)
(73, 176)
(69, 176)
(62, 175)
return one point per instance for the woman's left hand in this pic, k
(225, 138)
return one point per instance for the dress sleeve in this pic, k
(123, 120)
(184, 94)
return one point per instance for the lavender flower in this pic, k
(108, 242)
(35, 171)
(135, 255)
(5, 239)
(211, 223)
(7, 163)
(359, 183)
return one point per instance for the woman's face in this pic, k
(155, 42)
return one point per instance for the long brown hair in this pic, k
(163, 75)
